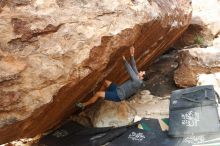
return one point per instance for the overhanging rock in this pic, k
(53, 53)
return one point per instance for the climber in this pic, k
(117, 93)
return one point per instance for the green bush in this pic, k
(199, 40)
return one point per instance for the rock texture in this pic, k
(142, 104)
(55, 52)
(205, 24)
(206, 14)
(196, 61)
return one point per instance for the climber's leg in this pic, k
(92, 100)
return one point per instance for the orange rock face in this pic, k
(56, 52)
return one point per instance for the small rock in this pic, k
(145, 92)
(137, 118)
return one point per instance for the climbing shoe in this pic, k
(80, 105)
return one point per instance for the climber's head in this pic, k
(141, 75)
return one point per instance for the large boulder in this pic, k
(142, 105)
(55, 52)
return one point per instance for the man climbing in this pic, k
(117, 93)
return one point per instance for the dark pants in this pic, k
(111, 93)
